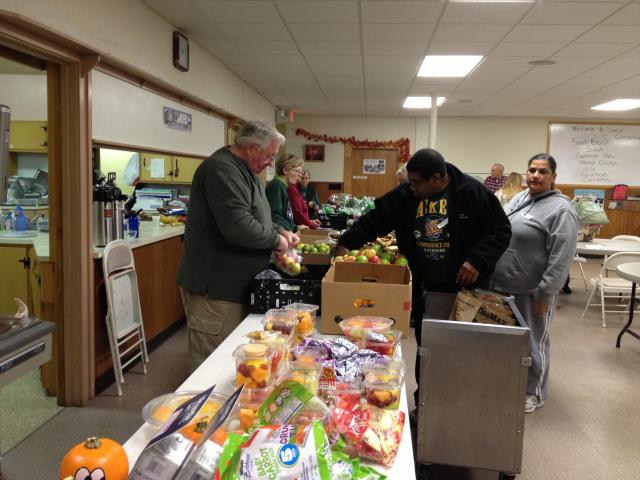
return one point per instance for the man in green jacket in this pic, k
(229, 237)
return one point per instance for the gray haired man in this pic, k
(228, 238)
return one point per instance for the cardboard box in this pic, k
(481, 306)
(350, 289)
(316, 258)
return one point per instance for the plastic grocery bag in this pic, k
(589, 212)
(131, 175)
(289, 262)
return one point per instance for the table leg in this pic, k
(632, 306)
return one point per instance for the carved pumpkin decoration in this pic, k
(95, 459)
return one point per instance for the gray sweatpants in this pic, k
(539, 344)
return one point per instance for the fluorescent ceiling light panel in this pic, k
(619, 105)
(448, 65)
(421, 102)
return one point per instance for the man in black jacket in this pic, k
(451, 228)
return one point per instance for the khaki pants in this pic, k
(209, 322)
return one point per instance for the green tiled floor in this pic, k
(24, 407)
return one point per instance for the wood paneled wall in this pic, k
(625, 221)
(325, 189)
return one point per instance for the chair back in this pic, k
(612, 261)
(630, 238)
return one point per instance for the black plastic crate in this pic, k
(337, 221)
(272, 293)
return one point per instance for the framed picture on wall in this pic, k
(314, 153)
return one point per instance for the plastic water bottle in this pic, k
(134, 227)
(21, 222)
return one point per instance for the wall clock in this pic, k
(180, 52)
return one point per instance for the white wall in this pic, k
(472, 144)
(26, 95)
(132, 33)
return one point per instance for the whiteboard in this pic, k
(596, 154)
(125, 114)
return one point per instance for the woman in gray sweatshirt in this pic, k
(544, 231)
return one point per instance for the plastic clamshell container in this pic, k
(158, 410)
(308, 355)
(304, 374)
(353, 327)
(349, 392)
(382, 342)
(279, 344)
(306, 315)
(253, 365)
(383, 394)
(281, 320)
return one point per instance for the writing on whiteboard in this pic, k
(596, 154)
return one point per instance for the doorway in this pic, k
(370, 172)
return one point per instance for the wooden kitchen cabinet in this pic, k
(184, 168)
(35, 285)
(28, 136)
(14, 281)
(164, 175)
(160, 300)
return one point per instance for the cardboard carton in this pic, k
(316, 258)
(350, 289)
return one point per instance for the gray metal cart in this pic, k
(473, 381)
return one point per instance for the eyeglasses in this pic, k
(541, 171)
(270, 157)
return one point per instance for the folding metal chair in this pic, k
(124, 318)
(611, 287)
(580, 260)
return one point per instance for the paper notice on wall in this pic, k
(157, 167)
(375, 166)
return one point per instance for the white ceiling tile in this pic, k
(201, 29)
(579, 63)
(545, 33)
(498, 61)
(247, 70)
(440, 90)
(633, 53)
(532, 85)
(334, 61)
(267, 46)
(337, 70)
(397, 33)
(575, 13)
(330, 48)
(217, 46)
(623, 64)
(530, 49)
(401, 11)
(254, 31)
(327, 11)
(612, 34)
(253, 11)
(337, 100)
(383, 71)
(470, 33)
(484, 12)
(329, 81)
(175, 11)
(461, 48)
(385, 101)
(580, 49)
(391, 61)
(324, 31)
(629, 15)
(231, 59)
(384, 86)
(394, 48)
(274, 59)
(607, 75)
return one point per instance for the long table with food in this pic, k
(221, 369)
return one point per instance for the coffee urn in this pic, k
(107, 210)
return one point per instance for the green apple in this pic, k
(354, 253)
(385, 261)
(401, 261)
(295, 269)
(338, 258)
(301, 246)
(362, 259)
(387, 256)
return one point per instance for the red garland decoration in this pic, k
(402, 144)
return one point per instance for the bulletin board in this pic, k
(595, 154)
(126, 114)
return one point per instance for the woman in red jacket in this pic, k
(299, 205)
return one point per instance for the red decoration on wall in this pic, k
(402, 144)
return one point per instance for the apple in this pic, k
(295, 269)
(374, 259)
(385, 261)
(362, 259)
(388, 256)
(338, 258)
(301, 246)
(354, 253)
(368, 252)
(401, 261)
(349, 258)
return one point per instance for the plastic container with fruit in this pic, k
(253, 365)
(280, 320)
(353, 327)
(308, 355)
(303, 373)
(384, 370)
(383, 394)
(306, 315)
(383, 342)
(279, 343)
(157, 411)
(349, 392)
(249, 403)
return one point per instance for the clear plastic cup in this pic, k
(383, 342)
(304, 374)
(353, 327)
(306, 315)
(280, 320)
(253, 365)
(383, 394)
(279, 344)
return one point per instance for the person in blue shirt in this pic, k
(309, 194)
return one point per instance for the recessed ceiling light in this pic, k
(421, 102)
(619, 105)
(541, 63)
(448, 65)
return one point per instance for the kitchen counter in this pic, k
(40, 244)
(149, 233)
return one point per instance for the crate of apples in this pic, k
(373, 254)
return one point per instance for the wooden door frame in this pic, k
(346, 175)
(69, 154)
